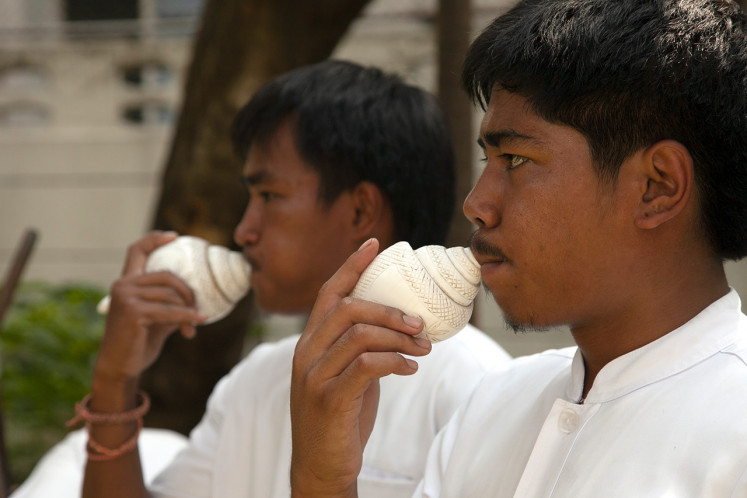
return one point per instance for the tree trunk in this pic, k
(240, 45)
(454, 33)
(453, 40)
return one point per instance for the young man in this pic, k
(335, 154)
(615, 187)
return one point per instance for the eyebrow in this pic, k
(257, 178)
(498, 138)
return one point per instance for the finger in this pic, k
(164, 279)
(347, 313)
(188, 330)
(137, 253)
(155, 313)
(361, 339)
(343, 281)
(368, 367)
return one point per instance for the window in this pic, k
(101, 10)
(147, 75)
(24, 114)
(22, 76)
(179, 8)
(151, 112)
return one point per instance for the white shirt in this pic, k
(242, 446)
(666, 420)
(59, 473)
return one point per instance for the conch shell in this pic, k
(435, 283)
(218, 277)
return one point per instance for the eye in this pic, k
(514, 161)
(267, 196)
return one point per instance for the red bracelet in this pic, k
(83, 413)
(96, 451)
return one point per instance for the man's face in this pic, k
(293, 241)
(551, 238)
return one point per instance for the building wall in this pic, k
(83, 176)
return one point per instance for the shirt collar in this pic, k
(710, 331)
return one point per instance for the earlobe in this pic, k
(668, 189)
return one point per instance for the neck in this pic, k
(648, 315)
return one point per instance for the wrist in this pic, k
(101, 452)
(113, 395)
(314, 488)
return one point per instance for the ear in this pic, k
(369, 210)
(667, 183)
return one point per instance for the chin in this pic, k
(521, 320)
(273, 304)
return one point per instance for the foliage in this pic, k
(49, 341)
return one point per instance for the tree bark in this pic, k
(454, 35)
(454, 32)
(240, 45)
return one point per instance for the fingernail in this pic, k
(423, 343)
(366, 244)
(412, 321)
(412, 364)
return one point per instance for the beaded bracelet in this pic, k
(96, 451)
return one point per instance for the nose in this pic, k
(247, 232)
(481, 206)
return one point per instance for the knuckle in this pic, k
(324, 289)
(394, 314)
(346, 303)
(132, 249)
(357, 332)
(365, 361)
(299, 363)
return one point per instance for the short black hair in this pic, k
(352, 124)
(629, 73)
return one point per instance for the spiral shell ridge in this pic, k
(433, 282)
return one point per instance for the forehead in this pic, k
(510, 111)
(278, 160)
(509, 118)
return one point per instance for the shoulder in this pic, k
(267, 368)
(514, 379)
(470, 346)
(270, 356)
(738, 348)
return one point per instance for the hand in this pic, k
(348, 344)
(145, 308)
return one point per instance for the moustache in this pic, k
(483, 248)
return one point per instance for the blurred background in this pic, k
(114, 119)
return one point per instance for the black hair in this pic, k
(353, 124)
(629, 73)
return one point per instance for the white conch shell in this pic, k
(218, 277)
(435, 283)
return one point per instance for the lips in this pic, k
(252, 261)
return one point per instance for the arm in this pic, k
(347, 346)
(145, 309)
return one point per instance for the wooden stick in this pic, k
(6, 296)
